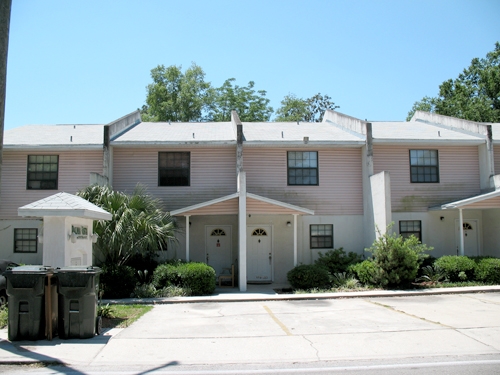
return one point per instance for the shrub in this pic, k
(396, 259)
(488, 270)
(117, 281)
(337, 261)
(145, 291)
(199, 277)
(432, 275)
(457, 268)
(364, 271)
(308, 276)
(344, 280)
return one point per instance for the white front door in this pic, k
(471, 247)
(259, 254)
(218, 247)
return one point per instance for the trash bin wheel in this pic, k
(98, 325)
(3, 298)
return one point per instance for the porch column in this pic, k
(242, 232)
(187, 238)
(461, 230)
(295, 240)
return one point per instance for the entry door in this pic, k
(471, 247)
(259, 254)
(218, 247)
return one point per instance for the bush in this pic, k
(488, 270)
(308, 276)
(457, 268)
(117, 281)
(337, 261)
(396, 259)
(198, 277)
(364, 271)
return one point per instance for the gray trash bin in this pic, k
(32, 303)
(78, 289)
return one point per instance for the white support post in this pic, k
(295, 240)
(242, 232)
(187, 238)
(461, 230)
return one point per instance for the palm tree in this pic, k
(138, 225)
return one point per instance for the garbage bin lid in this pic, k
(31, 270)
(79, 269)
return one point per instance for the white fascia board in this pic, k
(467, 201)
(433, 142)
(27, 212)
(203, 204)
(302, 144)
(173, 144)
(46, 148)
(281, 204)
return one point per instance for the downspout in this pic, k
(295, 240)
(461, 230)
(187, 238)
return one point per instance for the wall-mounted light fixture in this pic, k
(94, 237)
(40, 238)
(72, 237)
(288, 223)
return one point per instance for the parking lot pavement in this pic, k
(285, 331)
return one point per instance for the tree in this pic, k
(474, 95)
(308, 110)
(176, 96)
(251, 105)
(138, 225)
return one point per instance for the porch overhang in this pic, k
(255, 204)
(479, 202)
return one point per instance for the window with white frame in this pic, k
(302, 167)
(25, 240)
(410, 227)
(321, 236)
(424, 166)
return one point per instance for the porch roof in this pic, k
(228, 205)
(482, 201)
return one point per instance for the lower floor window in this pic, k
(25, 240)
(409, 227)
(321, 236)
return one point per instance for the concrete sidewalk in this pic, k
(113, 345)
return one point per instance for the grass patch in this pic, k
(117, 316)
(121, 316)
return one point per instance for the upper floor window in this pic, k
(173, 169)
(25, 240)
(321, 236)
(424, 166)
(409, 227)
(302, 168)
(42, 172)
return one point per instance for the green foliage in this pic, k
(337, 261)
(308, 276)
(432, 275)
(396, 259)
(105, 311)
(457, 268)
(488, 271)
(251, 105)
(364, 271)
(176, 96)
(197, 277)
(117, 281)
(474, 95)
(4, 316)
(308, 110)
(344, 280)
(138, 224)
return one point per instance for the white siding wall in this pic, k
(458, 176)
(340, 184)
(213, 174)
(496, 150)
(74, 174)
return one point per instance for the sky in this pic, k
(89, 61)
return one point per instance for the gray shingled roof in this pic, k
(64, 204)
(32, 136)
